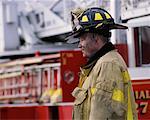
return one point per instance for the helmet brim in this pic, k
(73, 37)
(118, 26)
(73, 40)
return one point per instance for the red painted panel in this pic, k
(70, 67)
(65, 112)
(123, 50)
(142, 96)
(42, 113)
(15, 113)
(25, 113)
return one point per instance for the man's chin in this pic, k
(84, 55)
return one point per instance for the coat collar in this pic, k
(92, 61)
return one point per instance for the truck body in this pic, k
(37, 78)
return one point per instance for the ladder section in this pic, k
(27, 86)
(50, 18)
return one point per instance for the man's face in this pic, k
(87, 44)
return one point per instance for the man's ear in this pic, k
(97, 39)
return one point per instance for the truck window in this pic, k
(142, 46)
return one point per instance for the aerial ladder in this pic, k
(39, 87)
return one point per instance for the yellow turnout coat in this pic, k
(104, 91)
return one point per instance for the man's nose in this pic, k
(79, 45)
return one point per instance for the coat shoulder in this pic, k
(113, 57)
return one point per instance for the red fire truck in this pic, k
(135, 14)
(39, 87)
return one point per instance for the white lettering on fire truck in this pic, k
(142, 106)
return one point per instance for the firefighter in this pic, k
(104, 91)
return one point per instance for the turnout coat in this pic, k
(104, 91)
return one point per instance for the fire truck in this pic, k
(135, 14)
(37, 76)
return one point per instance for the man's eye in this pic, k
(81, 39)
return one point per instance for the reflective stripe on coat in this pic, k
(103, 94)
